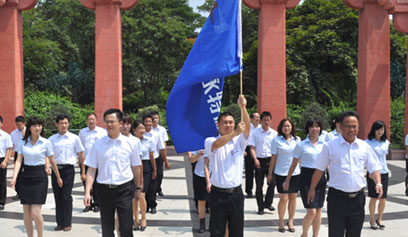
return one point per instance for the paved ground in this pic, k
(176, 214)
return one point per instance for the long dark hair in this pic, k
(293, 132)
(378, 125)
(32, 121)
(311, 121)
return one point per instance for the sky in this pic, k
(195, 3)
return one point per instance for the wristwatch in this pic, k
(379, 185)
(138, 187)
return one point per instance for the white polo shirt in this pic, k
(66, 148)
(157, 142)
(347, 162)
(262, 141)
(16, 136)
(332, 135)
(147, 147)
(162, 132)
(284, 151)
(113, 158)
(307, 152)
(88, 137)
(227, 161)
(199, 168)
(5, 143)
(381, 150)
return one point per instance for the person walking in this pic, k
(6, 148)
(16, 136)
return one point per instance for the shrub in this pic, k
(397, 123)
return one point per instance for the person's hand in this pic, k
(269, 178)
(48, 170)
(257, 164)
(209, 187)
(310, 196)
(87, 200)
(286, 185)
(167, 165)
(240, 128)
(242, 102)
(60, 183)
(201, 153)
(3, 164)
(13, 183)
(83, 177)
(154, 174)
(379, 190)
(138, 194)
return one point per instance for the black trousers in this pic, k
(159, 167)
(18, 182)
(63, 196)
(151, 194)
(260, 175)
(249, 172)
(3, 184)
(346, 215)
(116, 198)
(227, 207)
(94, 193)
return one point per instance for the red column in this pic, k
(108, 53)
(373, 85)
(272, 55)
(11, 60)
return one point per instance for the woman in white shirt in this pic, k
(282, 155)
(34, 181)
(306, 152)
(377, 139)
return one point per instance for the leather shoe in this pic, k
(290, 229)
(373, 226)
(1, 207)
(15, 198)
(249, 195)
(58, 228)
(153, 211)
(380, 225)
(67, 228)
(87, 209)
(160, 194)
(271, 208)
(95, 209)
(261, 212)
(143, 228)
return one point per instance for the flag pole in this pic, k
(240, 82)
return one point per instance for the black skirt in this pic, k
(320, 190)
(371, 186)
(293, 184)
(34, 185)
(200, 188)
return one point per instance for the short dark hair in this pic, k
(280, 126)
(32, 121)
(136, 123)
(147, 116)
(61, 117)
(89, 114)
(126, 118)
(349, 113)
(252, 114)
(117, 112)
(20, 118)
(1, 119)
(378, 125)
(154, 113)
(225, 114)
(311, 121)
(266, 113)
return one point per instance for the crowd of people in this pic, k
(122, 166)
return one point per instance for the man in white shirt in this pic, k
(347, 156)
(89, 135)
(226, 153)
(118, 162)
(161, 131)
(6, 148)
(16, 136)
(249, 162)
(260, 148)
(67, 147)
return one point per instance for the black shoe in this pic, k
(381, 226)
(95, 209)
(136, 228)
(87, 209)
(249, 195)
(373, 226)
(17, 197)
(202, 226)
(271, 208)
(290, 229)
(282, 230)
(58, 228)
(160, 194)
(260, 212)
(1, 207)
(143, 228)
(153, 211)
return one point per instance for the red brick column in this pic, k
(272, 55)
(108, 53)
(11, 60)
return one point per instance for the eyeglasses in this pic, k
(110, 122)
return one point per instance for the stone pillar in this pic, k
(108, 53)
(373, 85)
(272, 56)
(11, 60)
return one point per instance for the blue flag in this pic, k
(194, 102)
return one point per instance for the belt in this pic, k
(64, 166)
(226, 190)
(111, 186)
(345, 194)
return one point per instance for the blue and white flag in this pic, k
(194, 102)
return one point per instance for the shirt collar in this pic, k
(344, 141)
(120, 138)
(63, 135)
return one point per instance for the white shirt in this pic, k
(381, 150)
(332, 135)
(307, 152)
(88, 137)
(262, 141)
(284, 151)
(66, 148)
(147, 147)
(157, 142)
(227, 161)
(406, 144)
(347, 162)
(162, 131)
(113, 158)
(5, 143)
(137, 143)
(16, 136)
(323, 135)
(199, 168)
(34, 155)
